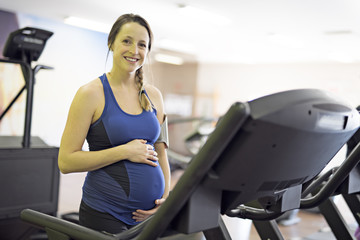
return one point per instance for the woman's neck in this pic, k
(121, 77)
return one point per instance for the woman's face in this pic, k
(130, 47)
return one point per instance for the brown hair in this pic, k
(139, 78)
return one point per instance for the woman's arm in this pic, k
(73, 159)
(160, 148)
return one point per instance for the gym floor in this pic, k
(312, 226)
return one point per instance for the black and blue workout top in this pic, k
(123, 187)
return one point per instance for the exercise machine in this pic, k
(22, 47)
(343, 180)
(189, 135)
(349, 189)
(261, 157)
(28, 166)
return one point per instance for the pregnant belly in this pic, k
(124, 187)
(146, 185)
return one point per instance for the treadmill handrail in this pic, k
(65, 227)
(194, 173)
(335, 181)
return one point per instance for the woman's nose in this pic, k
(134, 49)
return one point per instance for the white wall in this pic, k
(232, 82)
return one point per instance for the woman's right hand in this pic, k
(140, 152)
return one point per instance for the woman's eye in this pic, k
(143, 45)
(126, 41)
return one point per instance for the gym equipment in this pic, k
(22, 47)
(197, 128)
(323, 188)
(28, 166)
(265, 150)
(349, 188)
(30, 179)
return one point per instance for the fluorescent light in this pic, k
(88, 24)
(176, 45)
(165, 58)
(200, 14)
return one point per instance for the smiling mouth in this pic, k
(130, 59)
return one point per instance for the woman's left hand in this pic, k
(141, 215)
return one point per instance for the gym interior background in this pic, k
(195, 88)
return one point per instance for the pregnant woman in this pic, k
(121, 118)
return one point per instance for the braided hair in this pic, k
(139, 74)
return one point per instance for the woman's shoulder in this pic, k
(157, 99)
(153, 92)
(86, 100)
(91, 90)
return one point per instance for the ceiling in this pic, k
(239, 31)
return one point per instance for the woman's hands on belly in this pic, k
(140, 215)
(141, 152)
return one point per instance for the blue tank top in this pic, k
(123, 187)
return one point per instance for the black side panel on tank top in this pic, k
(118, 172)
(98, 140)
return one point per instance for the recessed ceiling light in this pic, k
(88, 24)
(201, 14)
(338, 32)
(165, 58)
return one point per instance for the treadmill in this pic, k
(261, 157)
(28, 166)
